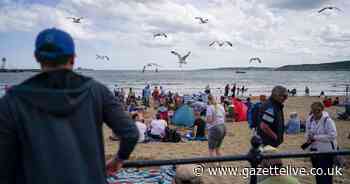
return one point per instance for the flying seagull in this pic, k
(255, 59)
(182, 59)
(76, 19)
(160, 34)
(328, 8)
(102, 57)
(202, 20)
(221, 43)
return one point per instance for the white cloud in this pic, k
(254, 27)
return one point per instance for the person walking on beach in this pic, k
(321, 135)
(146, 94)
(215, 118)
(51, 125)
(307, 91)
(233, 90)
(227, 89)
(243, 90)
(271, 126)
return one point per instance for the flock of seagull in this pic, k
(182, 58)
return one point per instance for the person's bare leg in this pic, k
(211, 153)
(218, 152)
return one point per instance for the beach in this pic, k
(237, 141)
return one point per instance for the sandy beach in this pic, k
(237, 142)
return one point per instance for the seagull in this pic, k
(221, 43)
(102, 57)
(182, 59)
(76, 19)
(160, 34)
(3, 59)
(229, 43)
(202, 20)
(255, 59)
(328, 8)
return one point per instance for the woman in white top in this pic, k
(321, 134)
(140, 126)
(158, 126)
(215, 118)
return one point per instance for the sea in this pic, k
(194, 81)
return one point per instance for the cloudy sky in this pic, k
(279, 32)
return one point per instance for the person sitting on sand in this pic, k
(215, 118)
(293, 125)
(327, 102)
(158, 128)
(336, 101)
(140, 126)
(132, 107)
(163, 109)
(198, 126)
(276, 177)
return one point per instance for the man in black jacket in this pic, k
(271, 118)
(51, 124)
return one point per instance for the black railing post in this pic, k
(254, 156)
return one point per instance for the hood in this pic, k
(325, 115)
(56, 92)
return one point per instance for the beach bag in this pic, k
(171, 135)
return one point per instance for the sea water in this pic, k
(257, 82)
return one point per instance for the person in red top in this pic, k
(327, 102)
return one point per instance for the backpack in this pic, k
(171, 135)
(253, 115)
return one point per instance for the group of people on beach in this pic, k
(235, 90)
(51, 125)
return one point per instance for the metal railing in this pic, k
(254, 157)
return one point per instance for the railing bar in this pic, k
(143, 163)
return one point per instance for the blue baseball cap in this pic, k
(53, 43)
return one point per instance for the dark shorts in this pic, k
(216, 135)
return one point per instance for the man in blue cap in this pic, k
(51, 124)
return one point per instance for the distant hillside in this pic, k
(336, 66)
(241, 68)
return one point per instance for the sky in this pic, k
(278, 32)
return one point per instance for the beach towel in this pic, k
(162, 175)
(184, 116)
(190, 137)
(240, 110)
